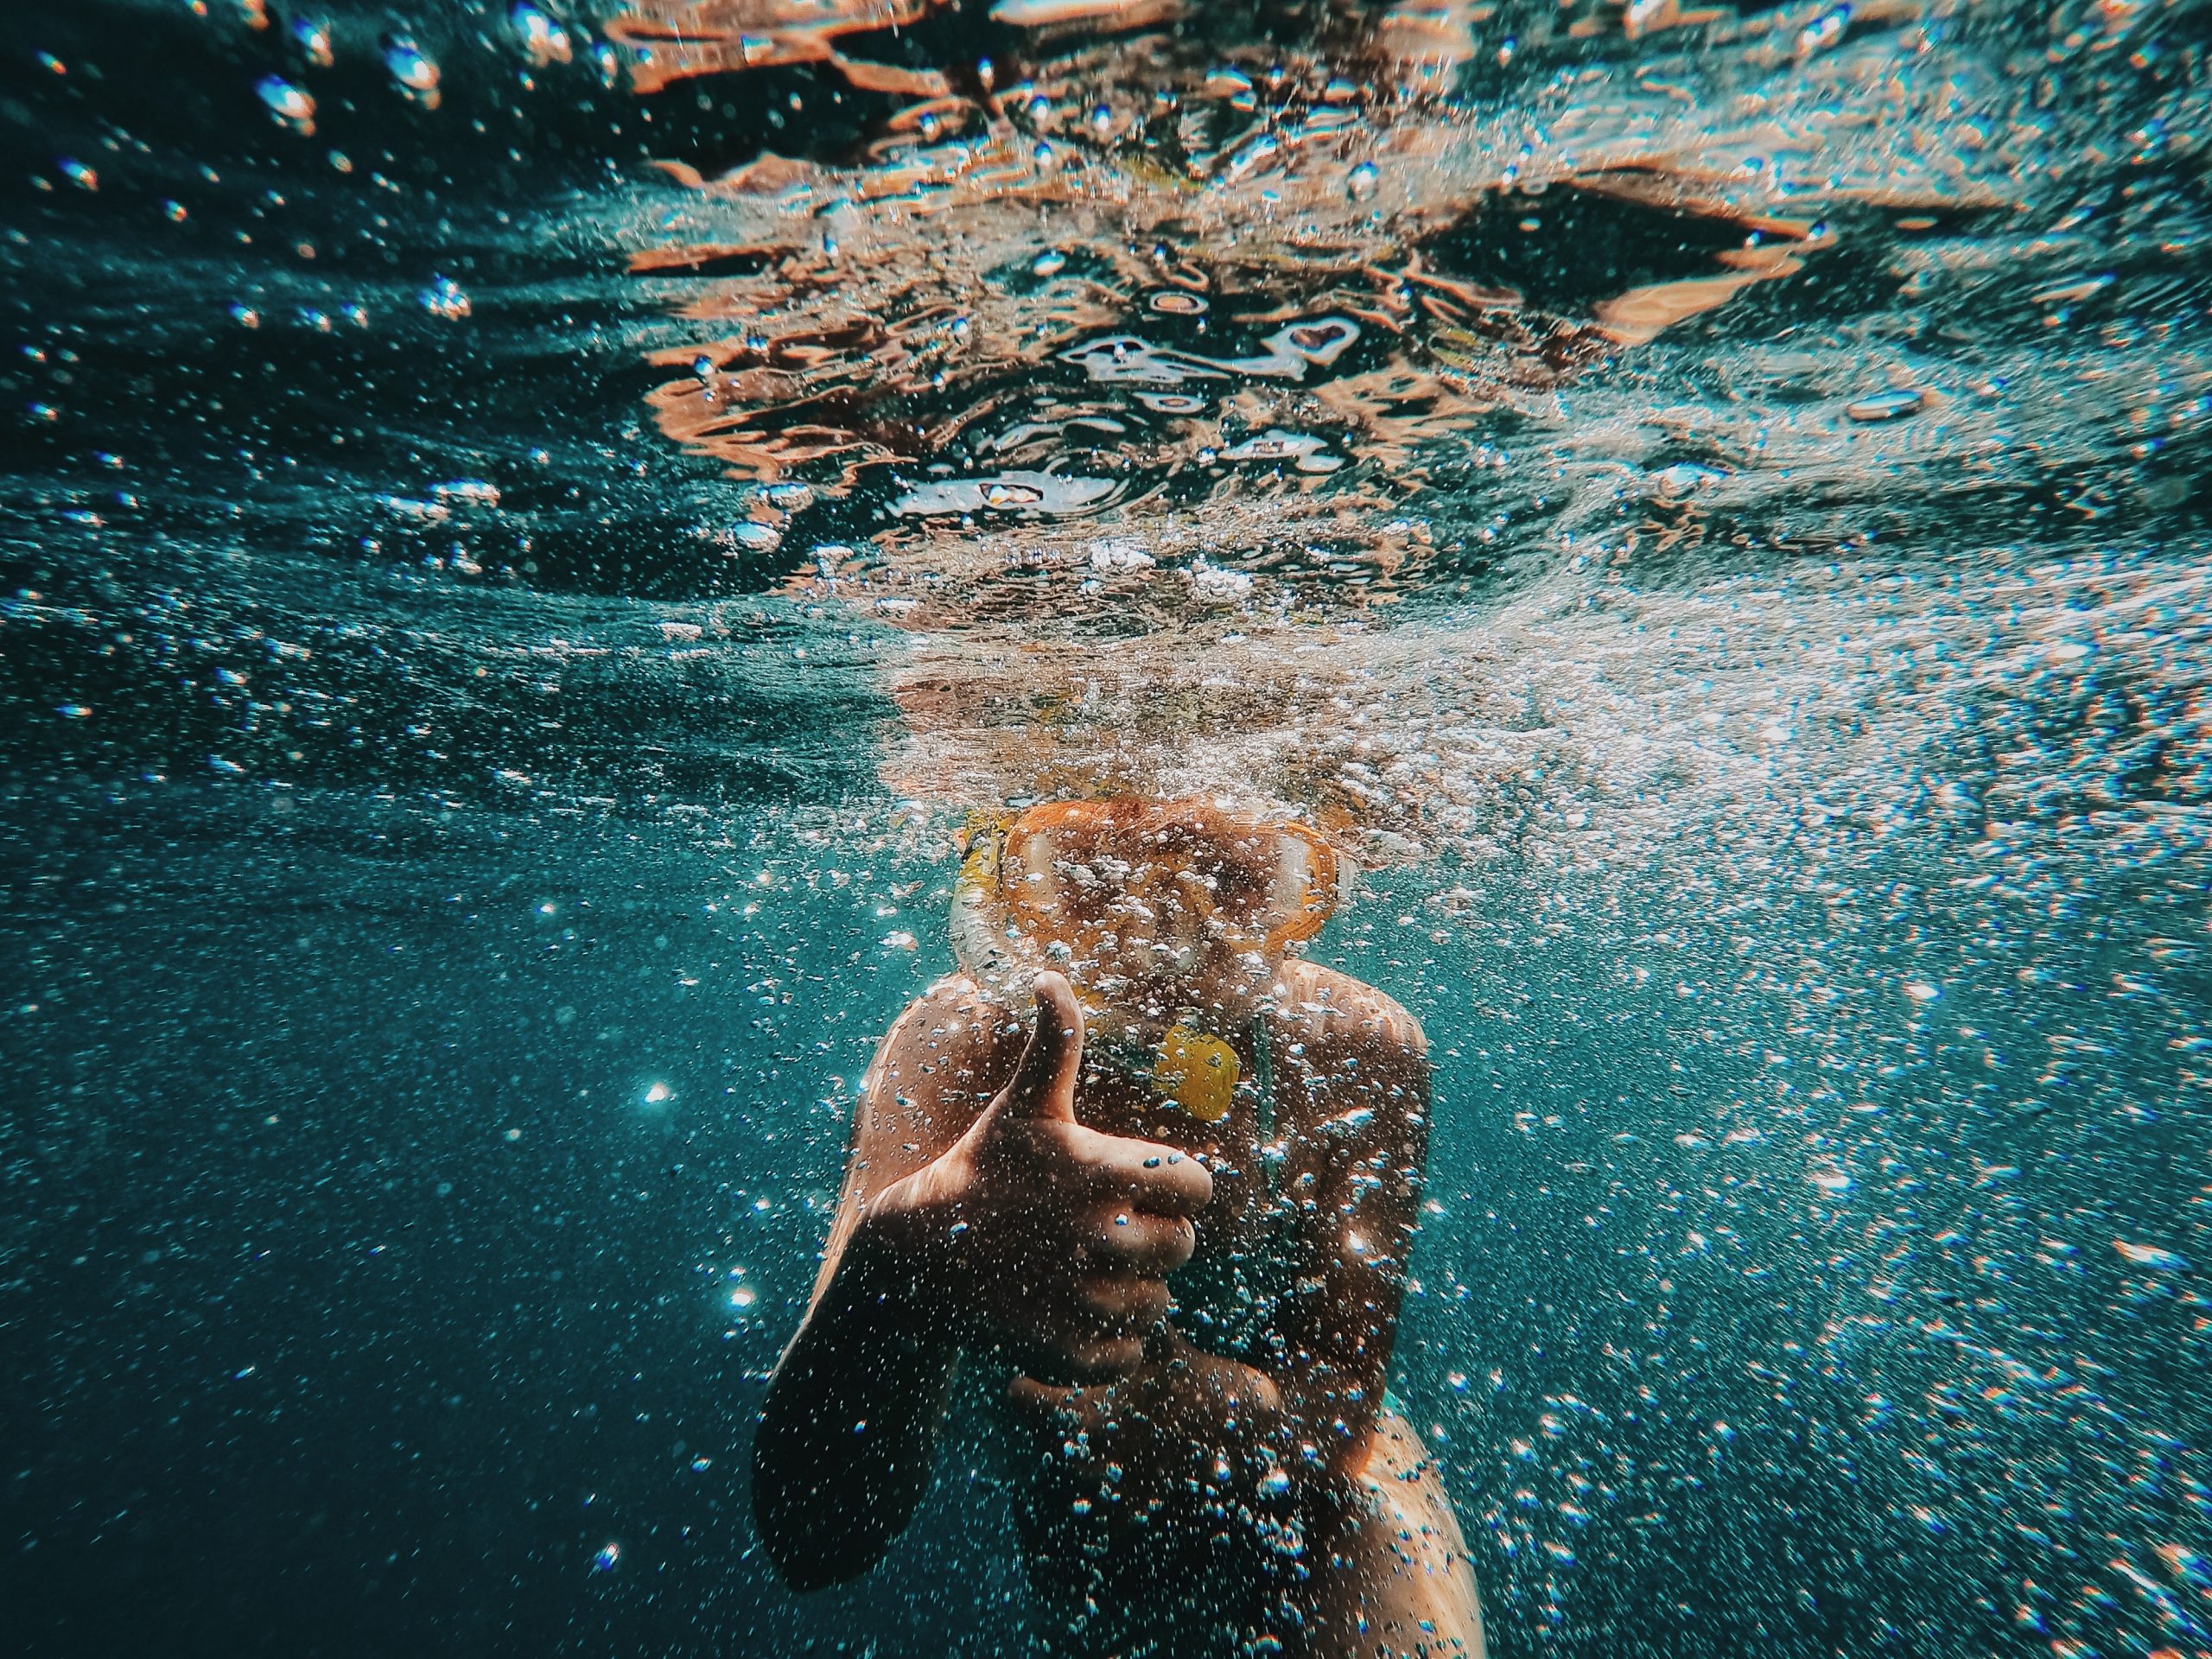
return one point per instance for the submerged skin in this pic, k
(1010, 1197)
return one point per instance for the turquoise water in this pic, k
(510, 594)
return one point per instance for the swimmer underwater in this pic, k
(1169, 1210)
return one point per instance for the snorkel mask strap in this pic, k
(978, 923)
(982, 842)
(1322, 886)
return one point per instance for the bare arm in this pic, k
(848, 1430)
(1365, 1150)
(1002, 1225)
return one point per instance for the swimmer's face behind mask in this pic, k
(1141, 899)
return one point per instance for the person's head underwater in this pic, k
(1171, 918)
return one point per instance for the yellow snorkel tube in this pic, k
(1198, 1071)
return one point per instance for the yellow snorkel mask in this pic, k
(1130, 897)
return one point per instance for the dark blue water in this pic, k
(468, 816)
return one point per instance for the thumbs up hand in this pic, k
(1039, 1238)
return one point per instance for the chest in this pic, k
(1253, 1152)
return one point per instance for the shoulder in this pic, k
(933, 1074)
(952, 1010)
(939, 1062)
(1321, 1005)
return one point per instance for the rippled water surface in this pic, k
(526, 528)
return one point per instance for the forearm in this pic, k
(848, 1430)
(1336, 1360)
(1311, 1403)
(1187, 1405)
(1309, 1418)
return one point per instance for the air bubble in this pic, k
(1886, 405)
(755, 537)
(545, 41)
(289, 104)
(414, 69)
(312, 36)
(445, 298)
(2149, 1255)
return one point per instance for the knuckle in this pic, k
(1075, 1354)
(1183, 1241)
(1102, 1359)
(1113, 1226)
(1109, 1361)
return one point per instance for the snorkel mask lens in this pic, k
(1088, 885)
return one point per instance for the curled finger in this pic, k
(1125, 1238)
(1158, 1178)
(1122, 1305)
(1083, 1359)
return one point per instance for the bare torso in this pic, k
(1153, 1523)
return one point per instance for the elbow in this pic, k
(804, 1570)
(806, 1564)
(808, 1535)
(1336, 1429)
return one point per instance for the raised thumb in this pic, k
(1044, 1083)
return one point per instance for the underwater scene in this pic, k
(1106, 827)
